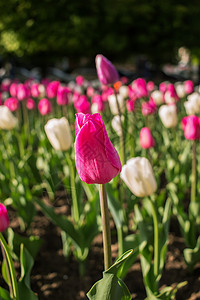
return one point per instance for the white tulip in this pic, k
(116, 124)
(157, 97)
(7, 119)
(180, 90)
(113, 104)
(123, 91)
(192, 106)
(168, 115)
(168, 98)
(138, 175)
(59, 134)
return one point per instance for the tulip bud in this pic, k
(191, 127)
(157, 97)
(138, 175)
(45, 106)
(146, 138)
(168, 115)
(116, 124)
(7, 119)
(97, 161)
(59, 134)
(12, 103)
(106, 72)
(4, 220)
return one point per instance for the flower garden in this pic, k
(103, 174)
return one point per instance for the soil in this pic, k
(55, 278)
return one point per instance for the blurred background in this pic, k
(148, 38)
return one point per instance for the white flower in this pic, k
(113, 104)
(138, 175)
(116, 124)
(7, 119)
(168, 115)
(157, 97)
(59, 134)
(123, 91)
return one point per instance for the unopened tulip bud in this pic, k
(106, 72)
(7, 120)
(168, 115)
(146, 138)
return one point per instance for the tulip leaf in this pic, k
(110, 287)
(192, 256)
(4, 294)
(60, 221)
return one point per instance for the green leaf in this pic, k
(110, 287)
(27, 262)
(192, 256)
(5, 273)
(4, 294)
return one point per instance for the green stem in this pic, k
(75, 205)
(120, 241)
(122, 142)
(194, 175)
(156, 239)
(11, 268)
(105, 226)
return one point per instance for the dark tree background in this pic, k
(46, 30)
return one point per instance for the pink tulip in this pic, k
(163, 87)
(106, 93)
(52, 88)
(130, 105)
(12, 103)
(149, 108)
(5, 85)
(139, 86)
(150, 86)
(30, 104)
(35, 90)
(45, 106)
(90, 91)
(63, 95)
(146, 138)
(189, 86)
(22, 92)
(4, 220)
(80, 80)
(97, 161)
(106, 72)
(191, 127)
(82, 104)
(13, 89)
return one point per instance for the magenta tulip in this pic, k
(52, 88)
(97, 161)
(63, 95)
(191, 127)
(189, 86)
(22, 92)
(30, 104)
(35, 90)
(12, 103)
(130, 105)
(45, 106)
(149, 108)
(4, 220)
(82, 104)
(13, 89)
(146, 138)
(106, 72)
(79, 80)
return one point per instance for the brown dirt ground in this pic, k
(54, 278)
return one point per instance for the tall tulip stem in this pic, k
(75, 205)
(122, 141)
(13, 288)
(156, 238)
(105, 226)
(194, 172)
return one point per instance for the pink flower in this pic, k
(12, 103)
(97, 161)
(82, 104)
(35, 90)
(45, 106)
(163, 87)
(63, 95)
(13, 89)
(106, 72)
(139, 87)
(130, 105)
(191, 127)
(52, 88)
(4, 220)
(146, 138)
(30, 104)
(80, 80)
(22, 92)
(90, 91)
(189, 86)
(5, 85)
(150, 86)
(149, 108)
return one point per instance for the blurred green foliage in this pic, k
(119, 29)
